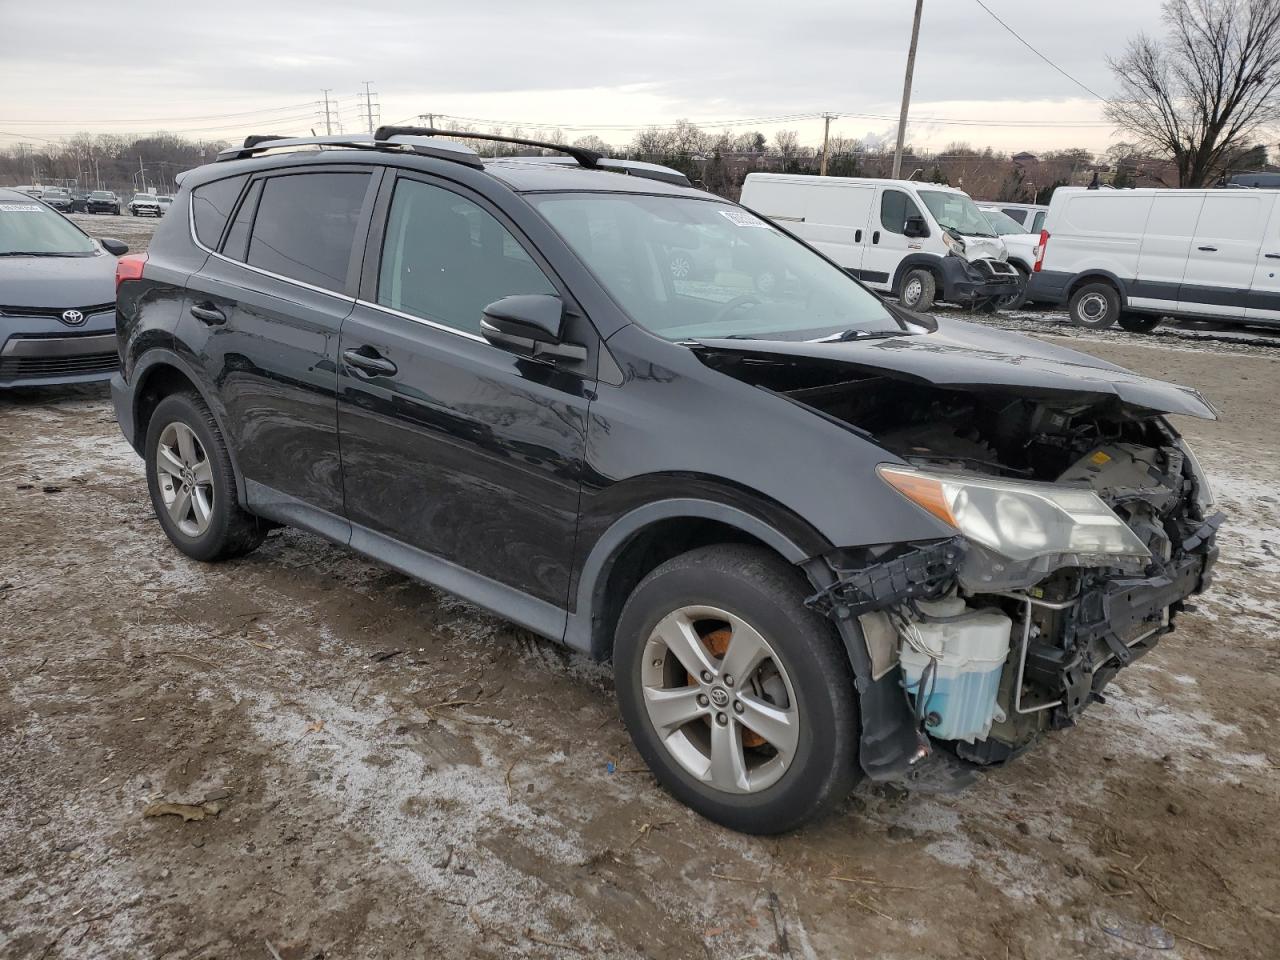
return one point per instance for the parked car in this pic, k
(1029, 215)
(919, 242)
(36, 192)
(57, 297)
(58, 198)
(1021, 247)
(145, 205)
(1133, 257)
(102, 201)
(79, 201)
(165, 203)
(819, 535)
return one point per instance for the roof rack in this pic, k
(257, 143)
(585, 157)
(634, 168)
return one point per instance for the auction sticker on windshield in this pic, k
(743, 219)
(20, 208)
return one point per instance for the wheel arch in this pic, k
(160, 373)
(648, 535)
(931, 261)
(1096, 276)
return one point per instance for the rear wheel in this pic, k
(738, 696)
(1139, 322)
(192, 486)
(918, 289)
(1095, 305)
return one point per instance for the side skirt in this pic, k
(533, 614)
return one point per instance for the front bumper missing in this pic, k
(966, 281)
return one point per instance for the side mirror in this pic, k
(530, 325)
(114, 247)
(915, 227)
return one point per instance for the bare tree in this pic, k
(1199, 96)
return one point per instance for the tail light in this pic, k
(1039, 250)
(130, 267)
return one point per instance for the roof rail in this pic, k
(257, 143)
(585, 157)
(634, 168)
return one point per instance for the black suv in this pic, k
(102, 201)
(818, 536)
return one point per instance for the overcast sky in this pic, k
(147, 65)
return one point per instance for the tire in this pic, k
(806, 668)
(1139, 322)
(225, 530)
(1095, 305)
(918, 289)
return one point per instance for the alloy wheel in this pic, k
(720, 699)
(186, 479)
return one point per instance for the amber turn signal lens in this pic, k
(924, 492)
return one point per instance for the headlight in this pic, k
(1205, 500)
(952, 243)
(1019, 521)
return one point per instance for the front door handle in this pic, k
(1208, 249)
(208, 313)
(1273, 256)
(857, 236)
(875, 237)
(368, 360)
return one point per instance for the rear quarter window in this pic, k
(211, 205)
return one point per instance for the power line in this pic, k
(212, 116)
(1037, 52)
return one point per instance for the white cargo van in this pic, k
(1134, 256)
(917, 241)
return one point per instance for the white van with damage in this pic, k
(1135, 256)
(920, 242)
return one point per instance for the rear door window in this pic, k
(306, 226)
(211, 205)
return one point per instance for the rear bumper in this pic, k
(966, 282)
(1048, 286)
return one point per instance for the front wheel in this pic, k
(192, 486)
(918, 290)
(1016, 297)
(739, 697)
(1095, 305)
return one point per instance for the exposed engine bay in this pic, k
(1083, 524)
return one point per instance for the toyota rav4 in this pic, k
(818, 536)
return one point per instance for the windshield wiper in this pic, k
(42, 253)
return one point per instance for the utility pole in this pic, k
(430, 118)
(826, 136)
(328, 121)
(906, 91)
(142, 175)
(368, 104)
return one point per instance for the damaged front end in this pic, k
(1082, 523)
(1076, 548)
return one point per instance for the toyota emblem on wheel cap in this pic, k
(72, 318)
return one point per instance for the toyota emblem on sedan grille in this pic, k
(72, 318)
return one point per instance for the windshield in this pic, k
(145, 197)
(55, 192)
(102, 195)
(685, 268)
(27, 227)
(957, 212)
(1002, 223)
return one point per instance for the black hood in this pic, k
(971, 357)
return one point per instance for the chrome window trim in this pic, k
(423, 320)
(191, 226)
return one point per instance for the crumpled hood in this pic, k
(57, 282)
(971, 357)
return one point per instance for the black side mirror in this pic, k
(915, 227)
(530, 325)
(117, 248)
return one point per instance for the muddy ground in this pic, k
(396, 774)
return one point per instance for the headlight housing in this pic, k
(1019, 521)
(953, 243)
(1204, 498)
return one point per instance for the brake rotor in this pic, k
(717, 644)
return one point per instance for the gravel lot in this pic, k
(394, 774)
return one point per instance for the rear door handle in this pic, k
(875, 237)
(1273, 256)
(857, 236)
(208, 313)
(1208, 249)
(368, 360)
